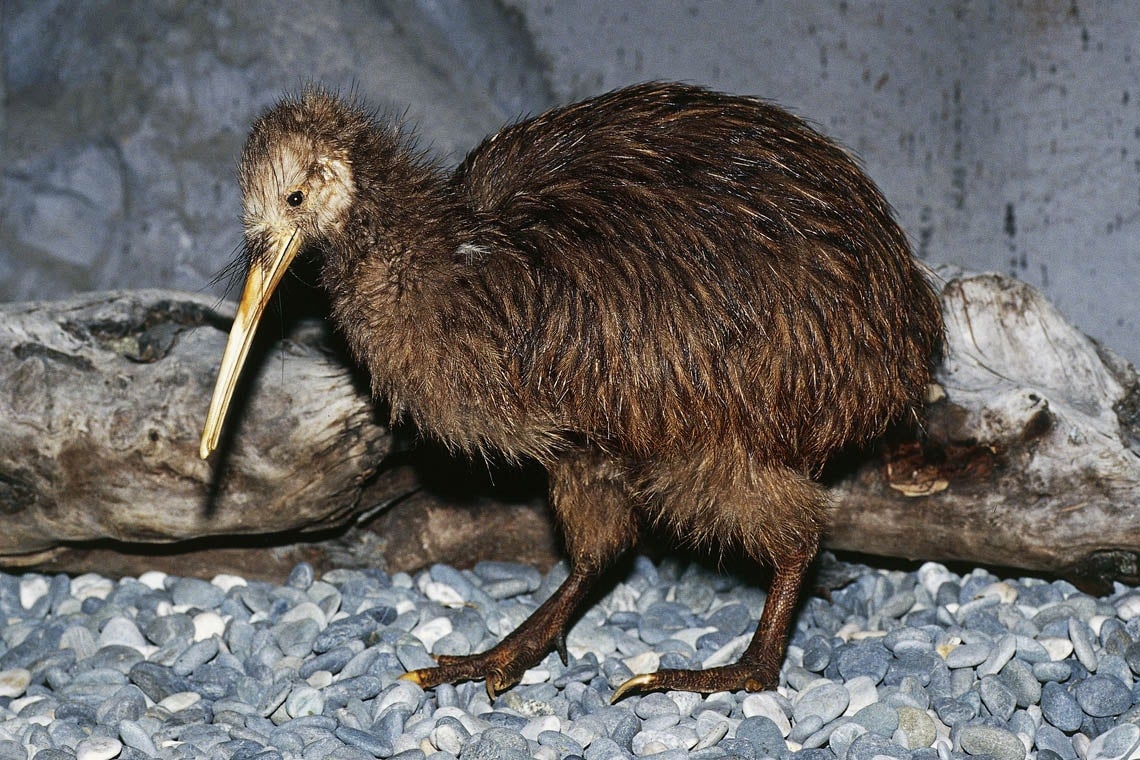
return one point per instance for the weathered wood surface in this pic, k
(1030, 459)
(1033, 456)
(101, 404)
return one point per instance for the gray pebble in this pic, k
(135, 736)
(195, 592)
(301, 576)
(998, 743)
(1114, 665)
(364, 741)
(296, 637)
(167, 627)
(1050, 739)
(1031, 650)
(1117, 743)
(827, 702)
(916, 727)
(1103, 696)
(156, 681)
(867, 658)
(805, 728)
(127, 703)
(1052, 671)
(354, 628)
(1020, 679)
(871, 745)
(1002, 652)
(762, 734)
(817, 654)
(878, 718)
(1081, 637)
(997, 697)
(198, 653)
(604, 748)
(841, 738)
(967, 655)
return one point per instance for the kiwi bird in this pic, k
(679, 302)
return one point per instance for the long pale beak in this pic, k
(259, 286)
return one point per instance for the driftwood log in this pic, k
(1029, 457)
(101, 401)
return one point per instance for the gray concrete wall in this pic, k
(1007, 135)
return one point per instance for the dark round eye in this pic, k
(295, 198)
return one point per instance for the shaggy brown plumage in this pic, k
(680, 302)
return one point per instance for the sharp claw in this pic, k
(560, 647)
(491, 690)
(415, 676)
(633, 684)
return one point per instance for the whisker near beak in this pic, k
(260, 283)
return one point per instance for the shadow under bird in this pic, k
(679, 302)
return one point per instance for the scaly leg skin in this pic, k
(599, 526)
(504, 664)
(776, 516)
(759, 667)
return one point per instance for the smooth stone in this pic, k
(169, 627)
(653, 742)
(1117, 743)
(198, 653)
(1052, 739)
(32, 589)
(304, 611)
(1081, 637)
(135, 736)
(865, 658)
(863, 692)
(765, 704)
(1003, 651)
(1057, 647)
(967, 656)
(1103, 696)
(709, 738)
(997, 743)
(304, 700)
(827, 701)
(14, 682)
(1031, 651)
(98, 748)
(180, 701)
(1060, 708)
(228, 581)
(817, 654)
(364, 741)
(449, 735)
(841, 738)
(870, 745)
(79, 639)
(196, 593)
(997, 697)
(805, 728)
(127, 703)
(1021, 681)
(656, 705)
(207, 624)
(916, 726)
(301, 576)
(1052, 671)
(123, 631)
(763, 734)
(296, 638)
(878, 718)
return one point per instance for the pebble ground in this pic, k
(926, 664)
